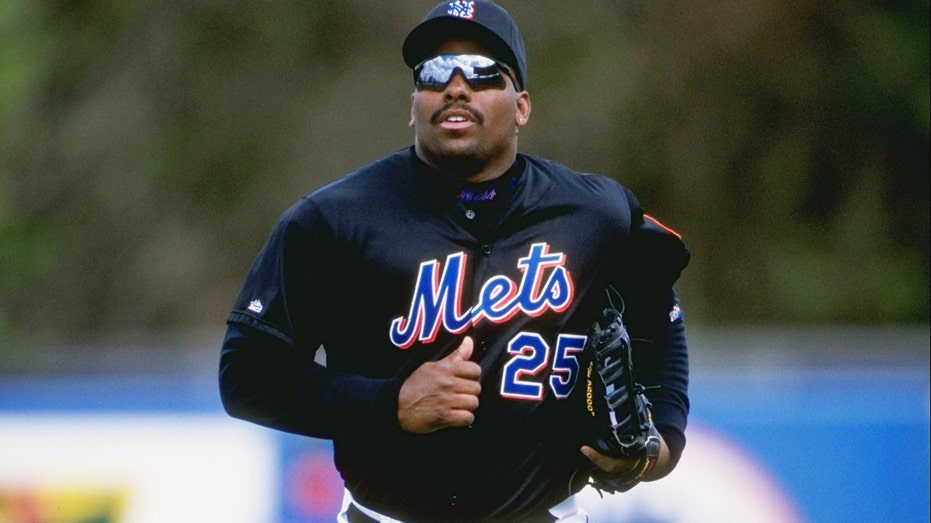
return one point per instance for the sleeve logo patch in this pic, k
(675, 313)
(256, 306)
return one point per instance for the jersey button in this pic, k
(486, 249)
(470, 214)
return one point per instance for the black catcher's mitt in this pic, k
(616, 406)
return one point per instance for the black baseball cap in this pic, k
(482, 21)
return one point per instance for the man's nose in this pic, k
(458, 88)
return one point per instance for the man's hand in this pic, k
(609, 464)
(441, 394)
(622, 466)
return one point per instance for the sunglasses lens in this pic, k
(480, 72)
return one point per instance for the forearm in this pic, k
(664, 371)
(662, 367)
(266, 381)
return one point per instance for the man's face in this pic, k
(465, 131)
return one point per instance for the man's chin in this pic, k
(457, 159)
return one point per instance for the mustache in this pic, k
(438, 115)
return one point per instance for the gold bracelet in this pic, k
(631, 469)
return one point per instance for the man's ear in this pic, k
(411, 123)
(523, 109)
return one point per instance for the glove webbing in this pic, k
(615, 369)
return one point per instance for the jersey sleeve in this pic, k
(652, 263)
(262, 302)
(268, 371)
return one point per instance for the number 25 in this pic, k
(531, 357)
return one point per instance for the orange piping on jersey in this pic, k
(667, 229)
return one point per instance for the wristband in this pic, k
(643, 467)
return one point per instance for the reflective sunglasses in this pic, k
(480, 72)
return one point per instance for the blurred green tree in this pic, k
(147, 147)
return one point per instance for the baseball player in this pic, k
(452, 285)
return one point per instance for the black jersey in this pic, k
(392, 266)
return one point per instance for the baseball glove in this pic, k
(617, 409)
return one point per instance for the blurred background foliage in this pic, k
(147, 147)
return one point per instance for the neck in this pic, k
(470, 168)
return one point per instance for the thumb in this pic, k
(464, 351)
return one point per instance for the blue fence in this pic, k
(840, 445)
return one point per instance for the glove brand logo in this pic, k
(589, 389)
(437, 298)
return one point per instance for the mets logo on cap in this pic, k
(461, 9)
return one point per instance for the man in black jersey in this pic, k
(451, 285)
